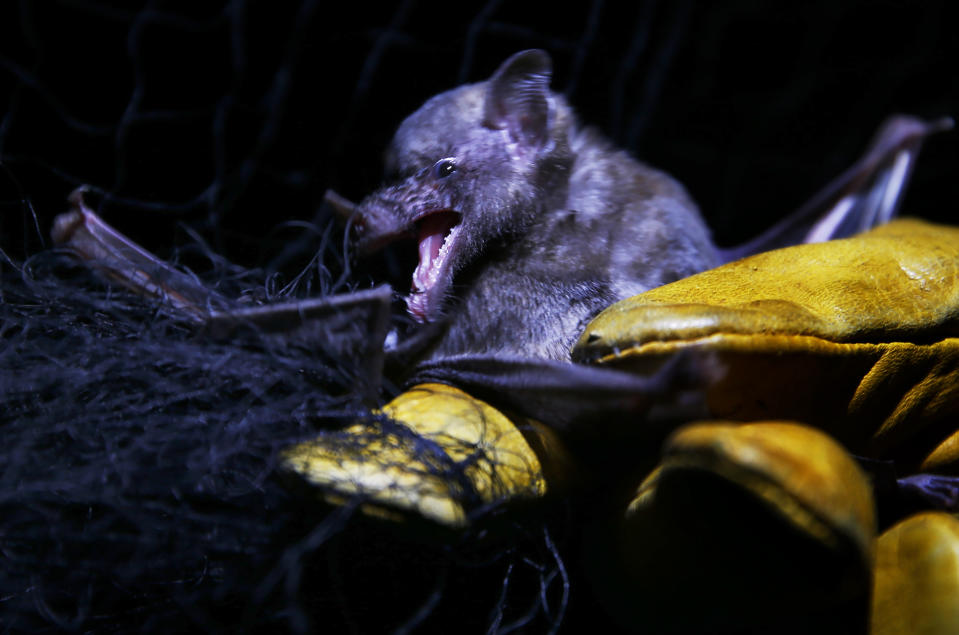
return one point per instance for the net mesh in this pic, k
(140, 488)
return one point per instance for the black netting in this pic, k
(138, 460)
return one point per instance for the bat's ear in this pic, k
(517, 98)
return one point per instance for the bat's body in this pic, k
(528, 225)
(616, 229)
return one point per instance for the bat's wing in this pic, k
(569, 395)
(574, 396)
(348, 326)
(122, 261)
(864, 196)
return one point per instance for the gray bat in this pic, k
(528, 224)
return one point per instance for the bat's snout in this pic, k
(376, 223)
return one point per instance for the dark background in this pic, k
(138, 488)
(234, 117)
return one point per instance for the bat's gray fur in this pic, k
(554, 223)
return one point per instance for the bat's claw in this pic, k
(343, 207)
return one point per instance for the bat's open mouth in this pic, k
(436, 236)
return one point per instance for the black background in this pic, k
(234, 117)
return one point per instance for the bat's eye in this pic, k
(443, 168)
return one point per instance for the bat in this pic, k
(527, 223)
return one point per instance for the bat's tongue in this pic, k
(433, 249)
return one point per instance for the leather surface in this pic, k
(859, 337)
(445, 450)
(764, 525)
(916, 588)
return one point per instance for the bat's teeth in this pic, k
(417, 304)
(435, 243)
(430, 248)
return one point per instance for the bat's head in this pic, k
(472, 168)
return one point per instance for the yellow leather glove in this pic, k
(445, 455)
(850, 335)
(859, 337)
(916, 588)
(746, 528)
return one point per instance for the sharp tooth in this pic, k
(429, 250)
(436, 234)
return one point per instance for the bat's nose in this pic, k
(358, 226)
